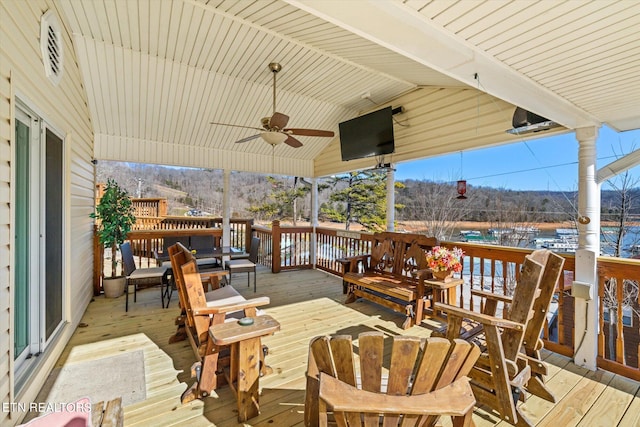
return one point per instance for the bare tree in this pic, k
(625, 186)
(439, 208)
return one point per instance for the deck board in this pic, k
(307, 303)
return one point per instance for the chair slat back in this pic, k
(400, 254)
(128, 262)
(525, 291)
(554, 264)
(195, 298)
(254, 249)
(415, 368)
(179, 255)
(521, 308)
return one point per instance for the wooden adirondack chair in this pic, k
(426, 380)
(208, 371)
(532, 343)
(201, 310)
(180, 255)
(511, 343)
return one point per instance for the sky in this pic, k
(547, 164)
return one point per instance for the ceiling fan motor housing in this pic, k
(275, 67)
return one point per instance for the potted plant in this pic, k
(444, 262)
(115, 219)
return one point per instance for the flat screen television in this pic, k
(367, 136)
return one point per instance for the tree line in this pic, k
(360, 197)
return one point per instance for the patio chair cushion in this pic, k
(223, 296)
(236, 264)
(148, 273)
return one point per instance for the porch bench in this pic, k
(392, 275)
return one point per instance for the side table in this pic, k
(243, 375)
(443, 291)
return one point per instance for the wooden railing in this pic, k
(147, 237)
(334, 244)
(145, 243)
(291, 247)
(496, 268)
(619, 335)
(488, 267)
(265, 254)
(149, 207)
(240, 227)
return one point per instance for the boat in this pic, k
(476, 236)
(562, 244)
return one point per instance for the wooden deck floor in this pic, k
(307, 303)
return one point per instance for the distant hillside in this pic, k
(202, 189)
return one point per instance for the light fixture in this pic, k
(274, 138)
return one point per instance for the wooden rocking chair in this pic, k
(211, 280)
(426, 380)
(510, 362)
(201, 310)
(209, 371)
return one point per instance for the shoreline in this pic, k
(419, 226)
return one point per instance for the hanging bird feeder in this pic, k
(462, 188)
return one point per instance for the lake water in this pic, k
(607, 237)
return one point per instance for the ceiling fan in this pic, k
(274, 130)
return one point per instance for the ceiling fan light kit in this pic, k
(274, 130)
(274, 138)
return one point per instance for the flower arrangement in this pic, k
(440, 258)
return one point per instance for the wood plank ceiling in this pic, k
(157, 72)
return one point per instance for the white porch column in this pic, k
(314, 221)
(226, 208)
(586, 309)
(391, 198)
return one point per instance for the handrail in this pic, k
(496, 268)
(487, 267)
(146, 243)
(618, 336)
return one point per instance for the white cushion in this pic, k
(148, 273)
(239, 263)
(223, 296)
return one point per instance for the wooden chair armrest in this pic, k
(228, 308)
(349, 259)
(349, 263)
(455, 400)
(451, 310)
(490, 295)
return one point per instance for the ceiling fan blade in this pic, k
(235, 126)
(292, 142)
(310, 132)
(278, 120)
(249, 138)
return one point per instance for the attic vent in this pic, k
(51, 46)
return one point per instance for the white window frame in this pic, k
(38, 343)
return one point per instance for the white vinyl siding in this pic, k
(64, 106)
(431, 126)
